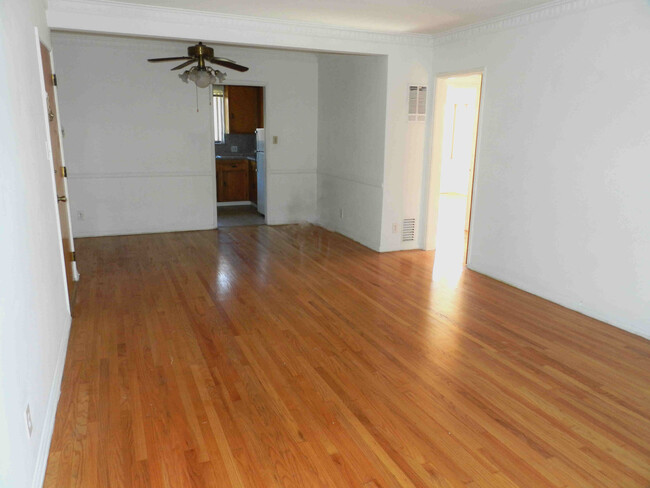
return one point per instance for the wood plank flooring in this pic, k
(293, 357)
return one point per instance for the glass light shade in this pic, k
(183, 76)
(202, 79)
(192, 75)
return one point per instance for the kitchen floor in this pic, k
(239, 215)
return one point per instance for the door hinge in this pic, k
(73, 256)
(54, 80)
(64, 171)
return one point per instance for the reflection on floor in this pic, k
(451, 240)
(239, 215)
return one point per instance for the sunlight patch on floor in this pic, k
(451, 239)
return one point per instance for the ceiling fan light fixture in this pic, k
(221, 77)
(201, 75)
(203, 78)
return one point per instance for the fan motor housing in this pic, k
(200, 50)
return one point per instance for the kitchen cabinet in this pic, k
(233, 180)
(245, 108)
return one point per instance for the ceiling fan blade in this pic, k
(160, 60)
(183, 65)
(228, 64)
(219, 58)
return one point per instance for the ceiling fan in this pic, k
(201, 74)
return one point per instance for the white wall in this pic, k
(562, 135)
(140, 156)
(408, 62)
(351, 137)
(560, 200)
(406, 150)
(34, 315)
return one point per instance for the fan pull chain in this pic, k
(197, 98)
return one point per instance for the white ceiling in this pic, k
(421, 16)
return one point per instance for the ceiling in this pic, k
(397, 16)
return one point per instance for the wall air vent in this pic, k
(408, 230)
(417, 103)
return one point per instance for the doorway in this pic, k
(240, 155)
(456, 119)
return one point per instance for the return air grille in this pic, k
(408, 230)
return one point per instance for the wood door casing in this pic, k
(57, 160)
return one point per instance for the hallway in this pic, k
(292, 356)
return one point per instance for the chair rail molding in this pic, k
(140, 174)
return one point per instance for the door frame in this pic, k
(265, 87)
(435, 165)
(50, 160)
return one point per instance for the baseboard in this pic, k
(50, 414)
(558, 299)
(336, 230)
(289, 221)
(144, 230)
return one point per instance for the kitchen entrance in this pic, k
(240, 155)
(455, 133)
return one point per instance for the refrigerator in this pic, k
(260, 157)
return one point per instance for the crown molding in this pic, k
(520, 18)
(58, 9)
(123, 10)
(153, 46)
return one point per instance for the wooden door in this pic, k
(59, 172)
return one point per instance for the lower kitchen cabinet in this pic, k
(233, 180)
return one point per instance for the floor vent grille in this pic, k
(408, 230)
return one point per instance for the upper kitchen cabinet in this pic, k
(245, 109)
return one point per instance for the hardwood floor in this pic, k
(291, 356)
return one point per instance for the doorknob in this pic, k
(62, 199)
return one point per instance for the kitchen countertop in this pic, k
(242, 156)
